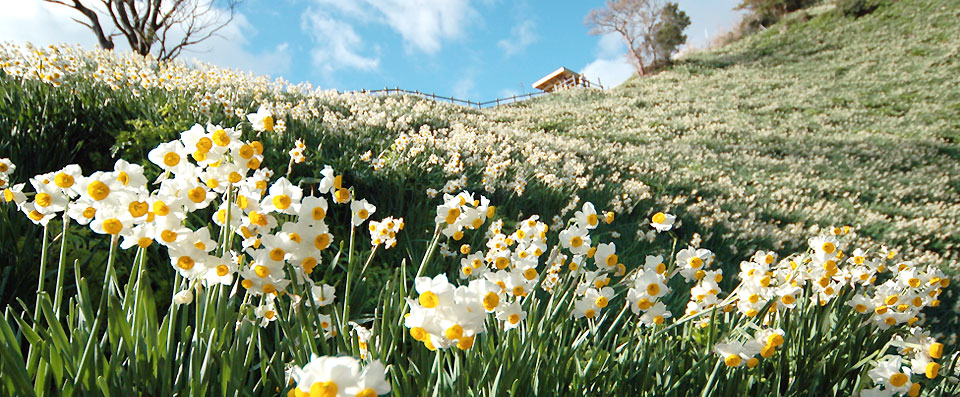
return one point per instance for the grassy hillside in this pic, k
(819, 121)
(773, 142)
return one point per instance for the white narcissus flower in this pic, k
(361, 210)
(170, 156)
(262, 120)
(284, 197)
(693, 260)
(662, 221)
(606, 257)
(323, 294)
(512, 315)
(656, 315)
(336, 376)
(587, 216)
(891, 374)
(6, 166)
(14, 194)
(575, 239)
(184, 297)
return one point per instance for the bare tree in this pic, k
(635, 21)
(170, 24)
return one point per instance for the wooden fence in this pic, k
(468, 103)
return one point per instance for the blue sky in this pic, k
(471, 49)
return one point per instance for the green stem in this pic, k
(369, 260)
(58, 294)
(101, 310)
(430, 251)
(33, 354)
(346, 293)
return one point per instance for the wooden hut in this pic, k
(560, 79)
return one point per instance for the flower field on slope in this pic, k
(252, 313)
(761, 176)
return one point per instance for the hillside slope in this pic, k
(819, 120)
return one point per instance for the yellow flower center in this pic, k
(490, 301)
(222, 270)
(98, 190)
(501, 263)
(319, 213)
(282, 202)
(324, 389)
(454, 332)
(612, 260)
(221, 138)
(602, 302)
(465, 343)
(419, 334)
(63, 180)
(775, 340)
(322, 241)
(898, 379)
(429, 300)
(308, 264)
(513, 318)
(268, 123)
(245, 152)
(342, 195)
(112, 226)
(653, 289)
(530, 274)
(204, 144)
(277, 254)
(44, 200)
(197, 195)
(829, 247)
(592, 219)
(185, 262)
(732, 360)
(695, 262)
(368, 392)
(659, 217)
(576, 241)
(138, 208)
(936, 350)
(452, 215)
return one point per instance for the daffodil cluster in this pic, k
(764, 342)
(385, 231)
(6, 168)
(444, 315)
(649, 286)
(330, 376)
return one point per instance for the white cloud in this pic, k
(521, 37)
(612, 65)
(229, 48)
(423, 24)
(44, 23)
(464, 88)
(611, 45)
(337, 44)
(609, 72)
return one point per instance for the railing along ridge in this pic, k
(465, 102)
